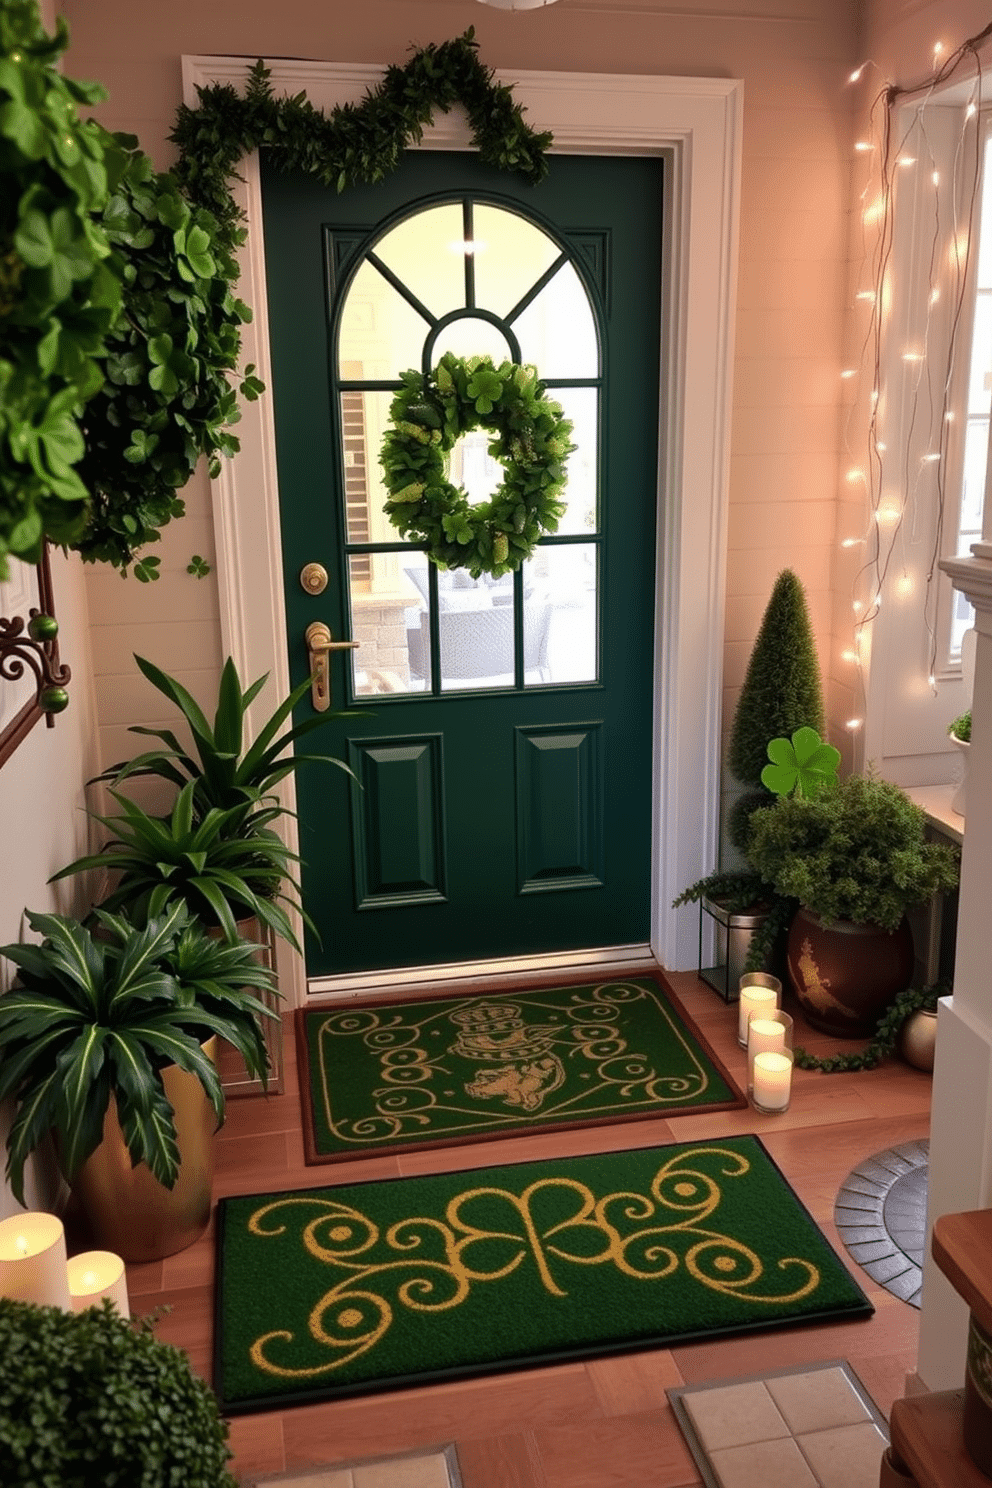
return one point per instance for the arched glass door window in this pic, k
(471, 277)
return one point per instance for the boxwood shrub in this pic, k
(91, 1400)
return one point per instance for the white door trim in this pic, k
(695, 123)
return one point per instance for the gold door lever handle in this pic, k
(319, 645)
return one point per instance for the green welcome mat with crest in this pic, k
(333, 1291)
(438, 1072)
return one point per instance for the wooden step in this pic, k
(926, 1432)
(962, 1248)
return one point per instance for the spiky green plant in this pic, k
(225, 774)
(102, 1012)
(226, 865)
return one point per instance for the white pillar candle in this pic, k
(772, 1081)
(32, 1260)
(754, 998)
(97, 1274)
(764, 1036)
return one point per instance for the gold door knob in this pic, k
(313, 577)
(319, 645)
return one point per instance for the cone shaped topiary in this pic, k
(782, 690)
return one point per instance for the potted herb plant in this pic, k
(89, 1397)
(959, 733)
(106, 1043)
(855, 858)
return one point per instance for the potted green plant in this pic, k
(959, 733)
(218, 847)
(225, 773)
(227, 866)
(855, 858)
(91, 1397)
(102, 1045)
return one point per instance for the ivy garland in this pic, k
(353, 144)
(532, 442)
(884, 1039)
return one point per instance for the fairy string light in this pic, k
(899, 142)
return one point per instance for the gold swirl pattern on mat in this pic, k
(428, 1265)
(414, 1095)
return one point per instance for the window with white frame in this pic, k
(967, 462)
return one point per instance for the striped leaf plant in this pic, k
(100, 1011)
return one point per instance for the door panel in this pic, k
(502, 731)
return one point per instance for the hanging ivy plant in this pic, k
(532, 442)
(121, 329)
(58, 296)
(168, 396)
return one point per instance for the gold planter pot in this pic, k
(129, 1211)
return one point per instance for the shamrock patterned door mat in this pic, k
(436, 1073)
(329, 1292)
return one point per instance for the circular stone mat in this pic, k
(881, 1215)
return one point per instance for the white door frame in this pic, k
(695, 124)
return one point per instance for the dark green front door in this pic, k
(502, 731)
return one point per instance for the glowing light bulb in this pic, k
(881, 446)
(932, 680)
(863, 146)
(857, 607)
(856, 74)
(21, 1245)
(851, 656)
(905, 160)
(929, 459)
(867, 295)
(854, 723)
(938, 47)
(934, 296)
(886, 516)
(854, 476)
(912, 356)
(935, 178)
(971, 111)
(949, 416)
(89, 1278)
(849, 372)
(904, 584)
(851, 542)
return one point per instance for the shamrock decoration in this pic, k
(484, 389)
(804, 765)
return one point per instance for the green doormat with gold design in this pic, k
(391, 1076)
(332, 1291)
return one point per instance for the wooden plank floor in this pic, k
(600, 1424)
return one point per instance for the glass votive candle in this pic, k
(94, 1275)
(767, 1033)
(759, 993)
(772, 1083)
(32, 1260)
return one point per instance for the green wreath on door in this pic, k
(531, 440)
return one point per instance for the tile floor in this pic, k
(810, 1428)
(437, 1469)
(881, 1215)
